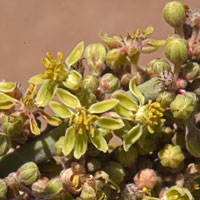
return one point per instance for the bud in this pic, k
(40, 185)
(165, 98)
(109, 83)
(59, 146)
(125, 158)
(53, 186)
(181, 83)
(13, 124)
(146, 178)
(87, 98)
(157, 66)
(196, 52)
(93, 165)
(90, 83)
(3, 189)
(115, 171)
(177, 192)
(95, 56)
(182, 106)
(191, 71)
(176, 50)
(125, 79)
(28, 173)
(5, 144)
(174, 13)
(171, 156)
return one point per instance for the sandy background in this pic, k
(29, 28)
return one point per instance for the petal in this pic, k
(67, 98)
(69, 141)
(123, 111)
(33, 125)
(61, 110)
(99, 141)
(80, 145)
(53, 121)
(103, 106)
(126, 101)
(75, 55)
(6, 105)
(37, 79)
(135, 92)
(109, 123)
(46, 93)
(73, 80)
(7, 86)
(132, 136)
(6, 102)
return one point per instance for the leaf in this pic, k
(132, 136)
(109, 123)
(61, 110)
(135, 92)
(123, 111)
(67, 98)
(69, 141)
(53, 121)
(75, 55)
(99, 141)
(126, 102)
(7, 86)
(103, 106)
(33, 125)
(46, 93)
(80, 145)
(73, 80)
(37, 79)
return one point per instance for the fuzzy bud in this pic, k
(3, 189)
(53, 186)
(125, 158)
(191, 71)
(109, 83)
(176, 50)
(146, 178)
(182, 106)
(28, 173)
(174, 13)
(5, 144)
(90, 83)
(93, 165)
(165, 98)
(40, 185)
(171, 156)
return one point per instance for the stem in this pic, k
(179, 30)
(134, 63)
(37, 151)
(177, 69)
(195, 33)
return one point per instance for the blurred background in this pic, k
(30, 28)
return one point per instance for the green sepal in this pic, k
(103, 106)
(126, 102)
(110, 123)
(73, 80)
(75, 55)
(37, 79)
(99, 141)
(67, 98)
(135, 92)
(153, 45)
(80, 145)
(59, 109)
(7, 86)
(132, 136)
(69, 141)
(53, 121)
(33, 126)
(46, 93)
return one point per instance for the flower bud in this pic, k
(191, 71)
(53, 186)
(109, 83)
(174, 13)
(95, 56)
(28, 173)
(93, 165)
(156, 66)
(59, 146)
(90, 83)
(125, 158)
(125, 79)
(181, 83)
(165, 98)
(12, 124)
(5, 144)
(3, 189)
(177, 192)
(87, 98)
(115, 171)
(196, 52)
(182, 106)
(176, 50)
(171, 156)
(146, 178)
(40, 185)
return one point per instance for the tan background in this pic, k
(29, 28)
